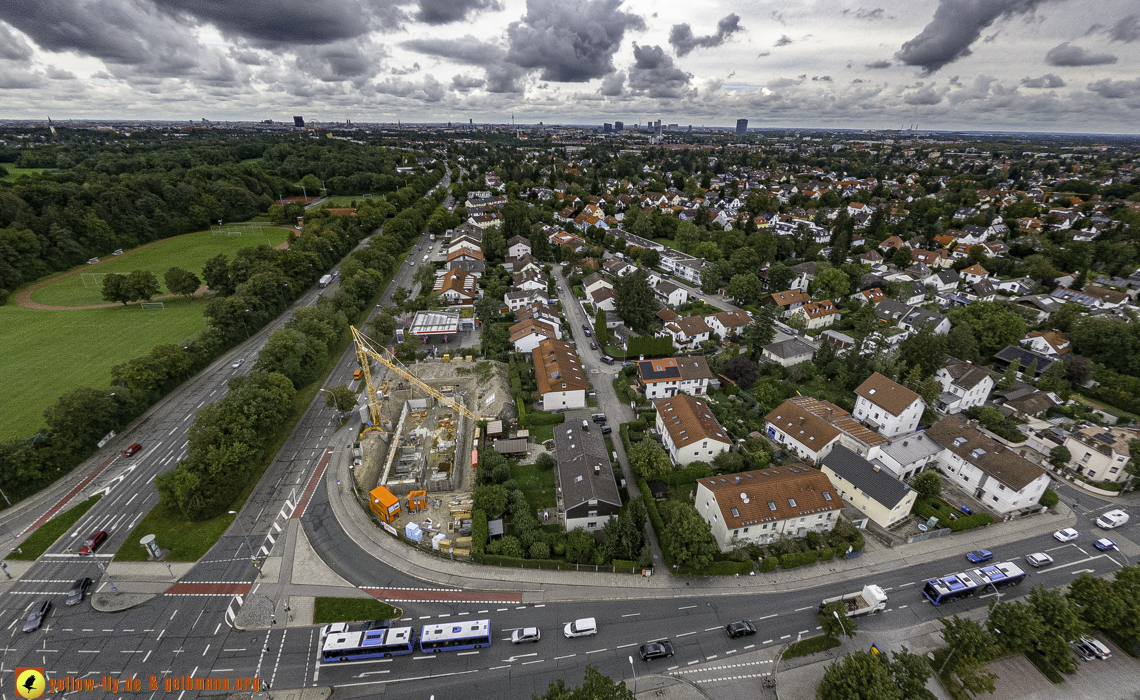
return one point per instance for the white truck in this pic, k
(871, 599)
(326, 280)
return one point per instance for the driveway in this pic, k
(601, 377)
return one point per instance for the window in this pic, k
(592, 514)
(746, 531)
(792, 502)
(1113, 470)
(771, 505)
(826, 496)
(1091, 473)
(735, 533)
(591, 525)
(735, 513)
(1001, 487)
(1086, 457)
(995, 499)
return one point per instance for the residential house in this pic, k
(818, 314)
(801, 432)
(1100, 454)
(852, 433)
(458, 287)
(787, 353)
(912, 293)
(618, 267)
(871, 296)
(518, 246)
(1049, 343)
(601, 297)
(890, 311)
(872, 258)
(803, 273)
(943, 281)
(518, 298)
(529, 334)
(670, 294)
(728, 322)
(868, 487)
(688, 332)
(757, 507)
(974, 273)
(964, 386)
(529, 280)
(1005, 357)
(918, 318)
(787, 301)
(840, 341)
(1006, 482)
(588, 494)
(464, 253)
(561, 381)
(669, 376)
(888, 406)
(689, 431)
(1041, 304)
(907, 455)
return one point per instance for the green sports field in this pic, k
(344, 201)
(14, 172)
(189, 252)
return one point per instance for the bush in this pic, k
(725, 568)
(537, 418)
(688, 475)
(480, 532)
(827, 554)
(655, 518)
(811, 645)
(794, 559)
(650, 346)
(1049, 498)
(970, 521)
(1109, 486)
(769, 564)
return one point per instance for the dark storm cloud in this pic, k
(569, 41)
(923, 96)
(20, 80)
(347, 59)
(683, 41)
(291, 21)
(463, 83)
(613, 85)
(1069, 55)
(501, 76)
(653, 73)
(1116, 89)
(877, 65)
(1049, 80)
(1126, 30)
(13, 46)
(447, 11)
(956, 25)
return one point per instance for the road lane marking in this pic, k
(568, 656)
(687, 607)
(802, 609)
(466, 653)
(767, 616)
(629, 615)
(753, 646)
(784, 637)
(693, 662)
(597, 651)
(710, 629)
(904, 585)
(625, 646)
(769, 641)
(525, 663)
(710, 658)
(686, 634)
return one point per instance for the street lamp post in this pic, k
(335, 402)
(632, 668)
(252, 554)
(840, 621)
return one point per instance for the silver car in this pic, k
(1039, 559)
(526, 634)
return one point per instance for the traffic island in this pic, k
(108, 602)
(256, 613)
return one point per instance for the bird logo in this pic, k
(30, 682)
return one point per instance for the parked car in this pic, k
(1089, 648)
(588, 334)
(1112, 519)
(130, 451)
(980, 555)
(583, 627)
(78, 591)
(36, 616)
(593, 345)
(333, 628)
(376, 625)
(656, 650)
(525, 635)
(1039, 559)
(743, 628)
(606, 429)
(586, 327)
(238, 362)
(1066, 535)
(607, 359)
(93, 542)
(599, 417)
(558, 287)
(1104, 544)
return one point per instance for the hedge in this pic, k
(970, 521)
(688, 475)
(522, 411)
(655, 518)
(1049, 498)
(769, 564)
(727, 568)
(480, 531)
(827, 554)
(794, 559)
(549, 564)
(650, 346)
(537, 418)
(1109, 485)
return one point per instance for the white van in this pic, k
(1112, 519)
(581, 628)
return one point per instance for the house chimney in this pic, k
(875, 467)
(801, 420)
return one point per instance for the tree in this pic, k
(859, 676)
(382, 326)
(1059, 456)
(634, 301)
(961, 344)
(1097, 601)
(179, 281)
(1015, 625)
(1010, 376)
(216, 274)
(761, 331)
(689, 537)
(491, 499)
(81, 417)
(545, 462)
(835, 622)
(741, 370)
(579, 546)
(494, 244)
(779, 277)
(594, 686)
(1126, 585)
(746, 288)
(928, 484)
(994, 324)
(972, 648)
(1062, 622)
(831, 283)
(927, 388)
(142, 284)
(648, 460)
(115, 289)
(925, 350)
(340, 396)
(1053, 378)
(600, 331)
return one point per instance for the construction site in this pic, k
(417, 440)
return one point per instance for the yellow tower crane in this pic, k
(366, 352)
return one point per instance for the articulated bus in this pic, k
(373, 644)
(963, 585)
(455, 636)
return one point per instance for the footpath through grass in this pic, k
(52, 530)
(327, 610)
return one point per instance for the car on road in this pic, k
(36, 616)
(1066, 535)
(78, 591)
(588, 334)
(661, 649)
(130, 451)
(1112, 519)
(607, 359)
(525, 635)
(593, 345)
(980, 555)
(1104, 544)
(1039, 559)
(582, 627)
(742, 628)
(93, 542)
(376, 625)
(558, 287)
(238, 362)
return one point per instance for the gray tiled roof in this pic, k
(879, 485)
(578, 451)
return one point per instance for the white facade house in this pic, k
(801, 432)
(561, 380)
(689, 431)
(726, 322)
(517, 247)
(888, 406)
(1100, 454)
(669, 376)
(1006, 482)
(964, 386)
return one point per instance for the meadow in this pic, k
(14, 172)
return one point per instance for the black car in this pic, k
(376, 625)
(743, 628)
(78, 591)
(656, 650)
(37, 615)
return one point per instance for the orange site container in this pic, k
(384, 504)
(417, 500)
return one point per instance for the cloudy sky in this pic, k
(1037, 65)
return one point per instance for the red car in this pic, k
(132, 449)
(93, 542)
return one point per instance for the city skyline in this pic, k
(1002, 65)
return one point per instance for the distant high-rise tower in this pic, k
(741, 127)
(607, 128)
(618, 126)
(657, 128)
(299, 122)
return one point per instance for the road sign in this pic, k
(875, 650)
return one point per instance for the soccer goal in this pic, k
(153, 306)
(93, 280)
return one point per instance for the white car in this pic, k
(1066, 535)
(238, 363)
(526, 634)
(333, 628)
(1039, 559)
(583, 627)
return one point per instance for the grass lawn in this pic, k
(186, 541)
(350, 610)
(542, 433)
(48, 353)
(342, 201)
(667, 242)
(811, 645)
(38, 542)
(536, 484)
(189, 252)
(14, 172)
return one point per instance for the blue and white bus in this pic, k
(455, 636)
(999, 576)
(373, 644)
